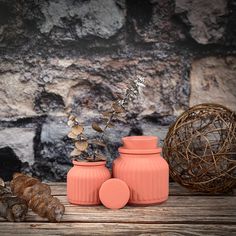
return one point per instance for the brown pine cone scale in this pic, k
(38, 196)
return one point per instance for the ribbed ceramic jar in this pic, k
(84, 180)
(141, 166)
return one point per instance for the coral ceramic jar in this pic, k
(141, 166)
(84, 180)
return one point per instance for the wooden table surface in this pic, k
(185, 213)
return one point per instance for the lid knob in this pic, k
(140, 145)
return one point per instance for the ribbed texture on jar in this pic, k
(84, 182)
(146, 175)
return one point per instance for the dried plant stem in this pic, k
(82, 143)
(107, 124)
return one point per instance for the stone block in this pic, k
(21, 141)
(214, 80)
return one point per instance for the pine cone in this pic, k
(38, 196)
(11, 208)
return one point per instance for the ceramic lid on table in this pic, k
(114, 193)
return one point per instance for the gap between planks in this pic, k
(115, 229)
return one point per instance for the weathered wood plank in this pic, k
(59, 189)
(186, 201)
(142, 215)
(114, 229)
(178, 209)
(210, 209)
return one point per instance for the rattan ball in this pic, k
(200, 148)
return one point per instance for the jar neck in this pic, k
(139, 151)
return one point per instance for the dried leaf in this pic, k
(105, 120)
(107, 113)
(72, 135)
(100, 157)
(133, 85)
(110, 125)
(83, 138)
(119, 96)
(118, 108)
(75, 152)
(99, 143)
(90, 159)
(70, 123)
(96, 127)
(2, 183)
(68, 110)
(121, 119)
(81, 145)
(77, 129)
(72, 117)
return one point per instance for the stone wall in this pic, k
(61, 54)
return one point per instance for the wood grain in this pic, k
(39, 229)
(59, 189)
(184, 213)
(176, 210)
(186, 201)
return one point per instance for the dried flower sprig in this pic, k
(119, 106)
(82, 143)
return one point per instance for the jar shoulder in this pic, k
(154, 160)
(80, 171)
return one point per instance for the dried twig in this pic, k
(82, 143)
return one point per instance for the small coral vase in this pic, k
(84, 180)
(143, 169)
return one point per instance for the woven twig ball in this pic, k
(200, 148)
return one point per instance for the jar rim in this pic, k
(91, 163)
(140, 145)
(140, 138)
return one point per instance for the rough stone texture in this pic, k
(37, 23)
(16, 95)
(102, 18)
(214, 80)
(89, 86)
(54, 130)
(157, 25)
(20, 140)
(53, 150)
(11, 22)
(206, 19)
(56, 55)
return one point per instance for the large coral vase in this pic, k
(141, 166)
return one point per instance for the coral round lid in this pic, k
(114, 193)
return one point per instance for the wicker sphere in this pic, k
(200, 148)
